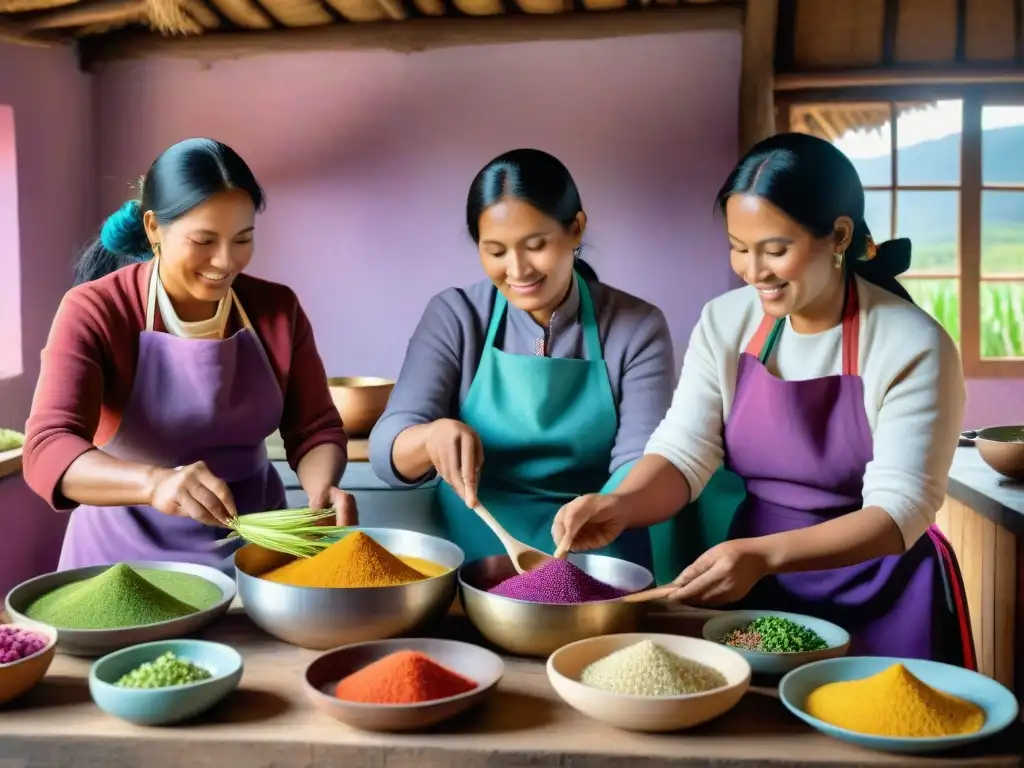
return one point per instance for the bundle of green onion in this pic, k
(295, 532)
(9, 440)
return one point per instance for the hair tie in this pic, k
(870, 249)
(124, 232)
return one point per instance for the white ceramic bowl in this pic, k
(648, 713)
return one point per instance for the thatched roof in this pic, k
(67, 20)
(833, 121)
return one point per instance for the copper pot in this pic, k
(360, 400)
(1002, 448)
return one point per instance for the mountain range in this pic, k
(938, 162)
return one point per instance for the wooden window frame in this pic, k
(970, 188)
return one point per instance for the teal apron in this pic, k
(702, 524)
(547, 426)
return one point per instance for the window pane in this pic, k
(928, 143)
(1002, 233)
(1002, 161)
(931, 221)
(940, 299)
(858, 129)
(1002, 307)
(878, 214)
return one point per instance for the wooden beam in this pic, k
(86, 13)
(757, 90)
(413, 35)
(15, 32)
(961, 31)
(890, 25)
(785, 36)
(896, 76)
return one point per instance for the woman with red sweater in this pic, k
(167, 368)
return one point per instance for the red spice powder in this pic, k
(404, 677)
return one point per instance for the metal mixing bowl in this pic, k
(1002, 448)
(539, 629)
(96, 642)
(322, 618)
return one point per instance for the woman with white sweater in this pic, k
(835, 399)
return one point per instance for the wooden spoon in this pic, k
(524, 557)
(655, 593)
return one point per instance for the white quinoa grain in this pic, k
(648, 669)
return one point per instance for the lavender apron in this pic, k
(192, 400)
(802, 448)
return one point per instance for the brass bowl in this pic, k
(360, 400)
(539, 629)
(1002, 448)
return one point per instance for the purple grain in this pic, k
(557, 581)
(17, 644)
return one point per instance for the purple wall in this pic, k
(994, 402)
(56, 185)
(367, 157)
(56, 182)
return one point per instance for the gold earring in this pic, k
(839, 258)
(156, 249)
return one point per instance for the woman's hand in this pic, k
(588, 522)
(344, 504)
(193, 491)
(457, 455)
(724, 574)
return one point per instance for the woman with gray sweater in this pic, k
(533, 386)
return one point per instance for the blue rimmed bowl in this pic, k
(764, 663)
(164, 706)
(999, 705)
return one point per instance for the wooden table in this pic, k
(267, 723)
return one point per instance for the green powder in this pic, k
(122, 597)
(649, 669)
(191, 590)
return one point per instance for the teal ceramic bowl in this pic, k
(762, 663)
(1000, 706)
(164, 706)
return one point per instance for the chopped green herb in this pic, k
(165, 671)
(774, 634)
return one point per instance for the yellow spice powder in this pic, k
(894, 703)
(357, 560)
(428, 568)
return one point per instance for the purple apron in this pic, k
(802, 448)
(192, 400)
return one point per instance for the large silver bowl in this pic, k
(539, 629)
(323, 618)
(99, 642)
